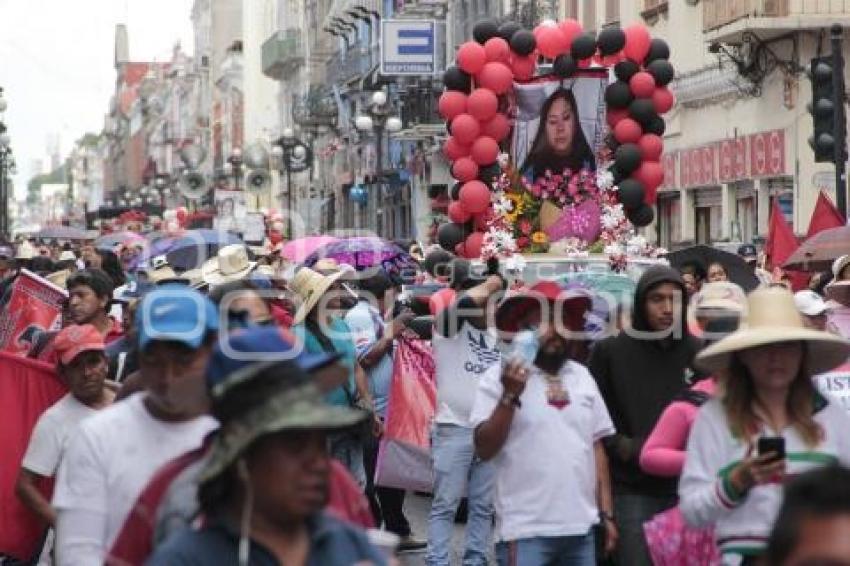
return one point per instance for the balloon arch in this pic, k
(545, 152)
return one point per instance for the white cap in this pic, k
(809, 303)
(839, 264)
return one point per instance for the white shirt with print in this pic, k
(461, 361)
(51, 434)
(546, 470)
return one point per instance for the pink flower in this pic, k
(523, 242)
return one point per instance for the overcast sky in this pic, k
(56, 64)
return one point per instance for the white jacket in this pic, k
(743, 523)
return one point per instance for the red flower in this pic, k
(523, 242)
(525, 226)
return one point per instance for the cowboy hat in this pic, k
(231, 264)
(328, 266)
(525, 305)
(310, 286)
(772, 318)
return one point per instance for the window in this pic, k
(589, 15)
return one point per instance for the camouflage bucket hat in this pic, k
(302, 407)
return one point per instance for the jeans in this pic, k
(387, 503)
(631, 511)
(576, 550)
(457, 471)
(347, 448)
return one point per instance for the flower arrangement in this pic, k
(588, 203)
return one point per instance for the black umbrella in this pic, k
(737, 269)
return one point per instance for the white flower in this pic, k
(515, 263)
(503, 160)
(614, 249)
(605, 180)
(502, 205)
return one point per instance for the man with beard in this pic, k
(543, 419)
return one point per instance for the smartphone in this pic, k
(775, 444)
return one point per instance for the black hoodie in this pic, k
(638, 378)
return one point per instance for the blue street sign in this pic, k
(408, 47)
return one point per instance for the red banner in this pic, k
(27, 389)
(668, 162)
(767, 154)
(35, 304)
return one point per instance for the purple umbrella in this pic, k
(363, 253)
(155, 248)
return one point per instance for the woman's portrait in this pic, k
(560, 142)
(226, 208)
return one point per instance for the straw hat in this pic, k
(231, 264)
(67, 255)
(310, 286)
(329, 266)
(59, 278)
(772, 317)
(25, 251)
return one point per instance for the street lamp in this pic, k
(234, 167)
(294, 156)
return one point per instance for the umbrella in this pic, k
(159, 246)
(298, 250)
(363, 253)
(818, 252)
(191, 250)
(110, 241)
(61, 233)
(737, 269)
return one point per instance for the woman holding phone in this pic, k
(767, 422)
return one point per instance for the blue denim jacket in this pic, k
(332, 543)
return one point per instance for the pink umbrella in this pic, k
(298, 250)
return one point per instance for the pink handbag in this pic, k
(672, 542)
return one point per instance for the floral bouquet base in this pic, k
(583, 221)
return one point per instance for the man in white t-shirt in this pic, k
(542, 422)
(82, 366)
(465, 351)
(116, 451)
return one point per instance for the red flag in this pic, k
(35, 305)
(824, 216)
(781, 241)
(27, 389)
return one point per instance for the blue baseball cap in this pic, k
(177, 313)
(246, 353)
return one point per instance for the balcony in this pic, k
(344, 68)
(282, 53)
(725, 20)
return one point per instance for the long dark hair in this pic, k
(542, 157)
(112, 266)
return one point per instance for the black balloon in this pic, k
(658, 49)
(611, 40)
(455, 79)
(434, 191)
(656, 126)
(484, 30)
(642, 216)
(523, 42)
(449, 235)
(508, 29)
(489, 173)
(583, 46)
(662, 71)
(618, 177)
(618, 95)
(564, 66)
(627, 158)
(630, 193)
(455, 192)
(626, 69)
(642, 111)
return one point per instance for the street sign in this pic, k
(408, 47)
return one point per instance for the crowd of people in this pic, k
(233, 414)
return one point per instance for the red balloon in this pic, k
(627, 131)
(571, 30)
(614, 115)
(611, 60)
(472, 246)
(471, 57)
(638, 41)
(642, 85)
(497, 77)
(524, 67)
(465, 169)
(497, 50)
(663, 99)
(551, 41)
(451, 104)
(465, 129)
(453, 149)
(485, 151)
(651, 175)
(457, 213)
(475, 196)
(585, 63)
(498, 127)
(651, 147)
(482, 104)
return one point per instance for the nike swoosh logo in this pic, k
(163, 310)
